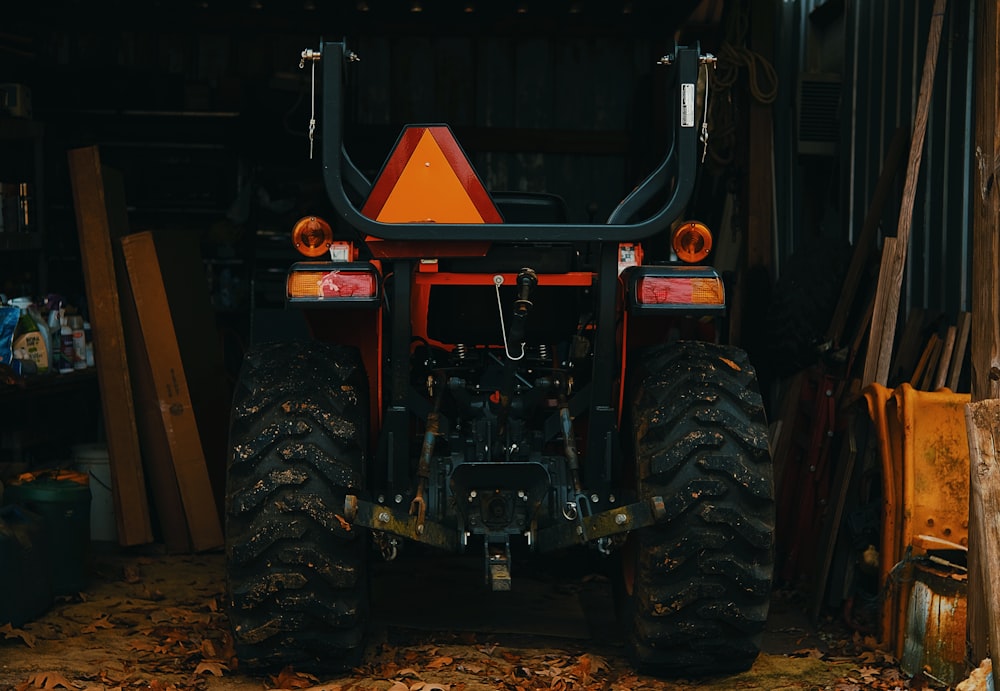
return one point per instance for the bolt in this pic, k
(594, 498)
(621, 518)
(611, 498)
(472, 495)
(383, 516)
(380, 499)
(399, 498)
(930, 521)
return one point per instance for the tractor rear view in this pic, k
(485, 377)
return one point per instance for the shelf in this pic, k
(20, 241)
(41, 385)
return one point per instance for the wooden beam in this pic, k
(866, 238)
(887, 304)
(127, 480)
(945, 360)
(982, 422)
(964, 325)
(985, 306)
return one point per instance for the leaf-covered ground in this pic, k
(156, 622)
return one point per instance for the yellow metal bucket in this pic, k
(924, 452)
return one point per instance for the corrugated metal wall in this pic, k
(883, 48)
(887, 42)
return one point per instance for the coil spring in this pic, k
(543, 352)
(461, 351)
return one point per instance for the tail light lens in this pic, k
(312, 236)
(675, 287)
(692, 242)
(336, 283)
(663, 290)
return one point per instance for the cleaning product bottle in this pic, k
(79, 342)
(90, 343)
(43, 328)
(28, 339)
(55, 364)
(65, 343)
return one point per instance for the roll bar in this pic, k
(679, 163)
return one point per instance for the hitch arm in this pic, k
(397, 521)
(604, 524)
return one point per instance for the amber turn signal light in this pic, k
(692, 242)
(312, 236)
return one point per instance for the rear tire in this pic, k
(296, 571)
(695, 589)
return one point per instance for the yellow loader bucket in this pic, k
(924, 451)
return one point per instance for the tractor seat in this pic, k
(530, 207)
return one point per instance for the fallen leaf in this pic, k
(208, 649)
(9, 631)
(439, 662)
(398, 686)
(101, 622)
(50, 680)
(288, 678)
(212, 666)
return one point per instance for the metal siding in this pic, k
(889, 39)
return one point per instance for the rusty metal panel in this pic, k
(935, 465)
(935, 624)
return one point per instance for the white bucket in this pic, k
(93, 460)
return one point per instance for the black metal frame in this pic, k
(678, 166)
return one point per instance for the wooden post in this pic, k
(982, 421)
(883, 328)
(985, 307)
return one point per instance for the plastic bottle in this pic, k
(65, 344)
(28, 337)
(90, 343)
(55, 364)
(79, 343)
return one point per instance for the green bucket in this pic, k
(64, 505)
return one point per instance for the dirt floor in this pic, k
(155, 621)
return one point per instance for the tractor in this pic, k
(483, 377)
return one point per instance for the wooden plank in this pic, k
(834, 515)
(928, 376)
(172, 391)
(908, 352)
(985, 298)
(866, 238)
(880, 342)
(982, 422)
(127, 480)
(789, 410)
(958, 354)
(924, 361)
(159, 470)
(945, 360)
(887, 305)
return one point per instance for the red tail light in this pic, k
(332, 282)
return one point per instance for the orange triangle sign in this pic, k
(428, 179)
